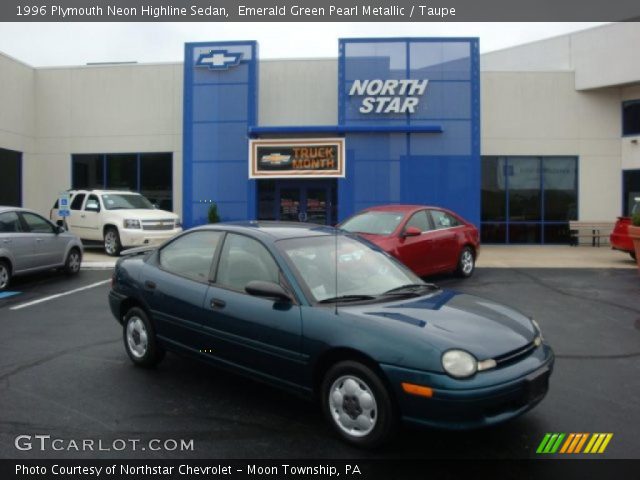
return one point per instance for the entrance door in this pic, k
(312, 201)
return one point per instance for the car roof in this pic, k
(6, 208)
(101, 192)
(398, 208)
(274, 230)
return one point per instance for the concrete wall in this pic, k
(631, 150)
(541, 113)
(51, 113)
(17, 98)
(298, 92)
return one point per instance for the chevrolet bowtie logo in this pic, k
(218, 60)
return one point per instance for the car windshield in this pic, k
(377, 223)
(124, 201)
(364, 273)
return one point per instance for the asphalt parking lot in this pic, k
(64, 372)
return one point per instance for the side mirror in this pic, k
(59, 229)
(412, 232)
(258, 288)
(60, 223)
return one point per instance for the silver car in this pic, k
(30, 242)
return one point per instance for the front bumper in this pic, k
(139, 238)
(488, 398)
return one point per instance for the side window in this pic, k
(76, 204)
(93, 204)
(191, 255)
(244, 259)
(37, 224)
(9, 222)
(420, 221)
(443, 220)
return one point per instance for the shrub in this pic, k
(213, 215)
(635, 219)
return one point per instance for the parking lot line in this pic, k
(58, 295)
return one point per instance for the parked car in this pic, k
(118, 219)
(325, 314)
(31, 243)
(619, 238)
(428, 240)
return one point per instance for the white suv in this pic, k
(119, 219)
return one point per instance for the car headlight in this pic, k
(459, 364)
(130, 223)
(539, 338)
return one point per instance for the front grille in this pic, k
(167, 224)
(515, 355)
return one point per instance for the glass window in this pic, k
(523, 177)
(93, 204)
(266, 199)
(9, 222)
(37, 224)
(76, 203)
(631, 117)
(123, 201)
(560, 189)
(87, 171)
(376, 223)
(420, 221)
(191, 255)
(631, 190)
(156, 177)
(494, 198)
(122, 172)
(243, 260)
(361, 270)
(10, 178)
(443, 219)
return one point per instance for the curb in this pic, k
(97, 265)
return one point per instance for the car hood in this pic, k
(448, 319)
(144, 214)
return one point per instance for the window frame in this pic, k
(625, 103)
(429, 221)
(453, 218)
(73, 200)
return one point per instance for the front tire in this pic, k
(73, 262)
(112, 245)
(5, 275)
(466, 263)
(357, 405)
(140, 339)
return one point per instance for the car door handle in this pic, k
(38, 239)
(217, 303)
(149, 285)
(6, 240)
(82, 216)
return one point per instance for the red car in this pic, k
(428, 240)
(619, 238)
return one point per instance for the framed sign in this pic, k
(296, 158)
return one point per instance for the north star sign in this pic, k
(389, 96)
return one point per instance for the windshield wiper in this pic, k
(411, 288)
(347, 298)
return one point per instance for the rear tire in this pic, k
(357, 404)
(466, 263)
(73, 263)
(140, 339)
(112, 245)
(5, 274)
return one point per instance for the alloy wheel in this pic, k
(4, 276)
(137, 337)
(353, 406)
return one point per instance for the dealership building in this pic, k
(518, 141)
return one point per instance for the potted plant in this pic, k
(213, 215)
(634, 233)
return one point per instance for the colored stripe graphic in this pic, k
(573, 443)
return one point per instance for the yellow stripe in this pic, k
(574, 443)
(598, 442)
(606, 442)
(591, 442)
(584, 439)
(567, 442)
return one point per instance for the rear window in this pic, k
(376, 223)
(9, 222)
